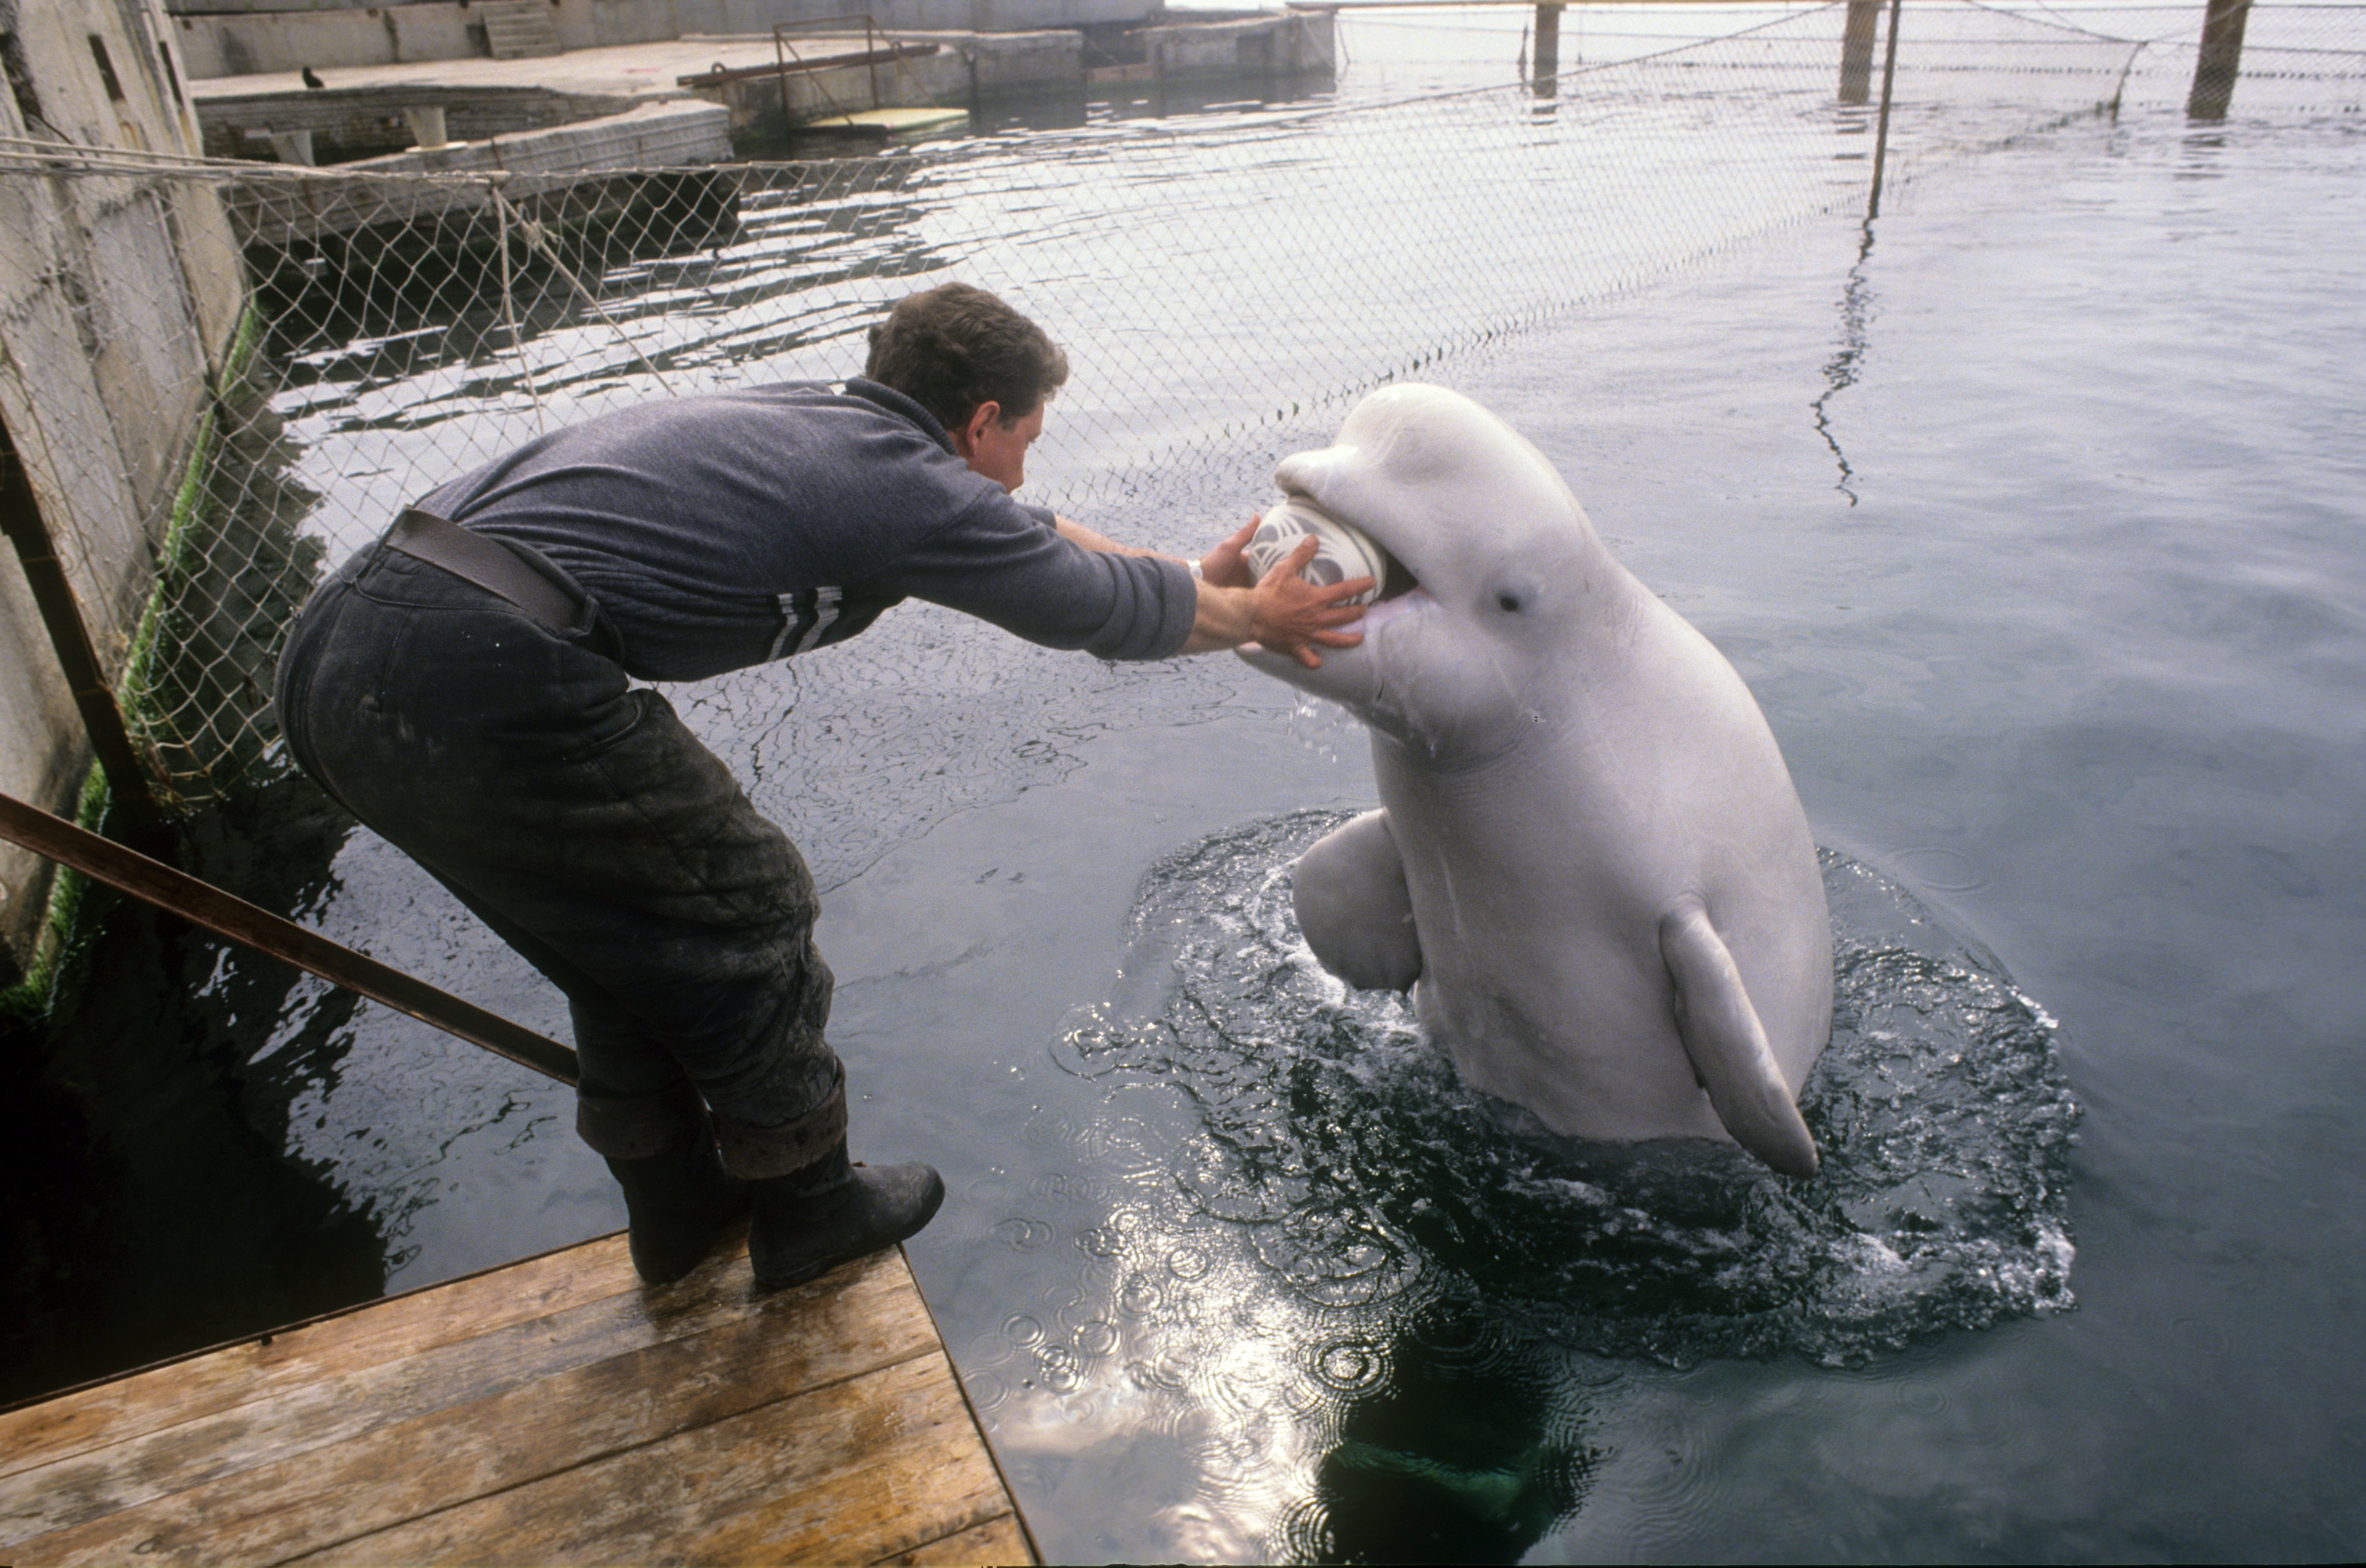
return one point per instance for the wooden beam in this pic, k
(1548, 46)
(1856, 51)
(2221, 60)
(1881, 132)
(54, 596)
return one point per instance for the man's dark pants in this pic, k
(580, 819)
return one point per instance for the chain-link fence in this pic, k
(1208, 274)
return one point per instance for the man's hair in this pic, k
(954, 347)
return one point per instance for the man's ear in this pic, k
(973, 428)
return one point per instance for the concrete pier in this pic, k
(1296, 43)
(364, 110)
(245, 37)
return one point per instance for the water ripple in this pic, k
(1342, 1155)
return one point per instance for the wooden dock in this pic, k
(555, 1410)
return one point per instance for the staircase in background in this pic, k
(516, 29)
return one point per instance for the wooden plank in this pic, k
(997, 1540)
(555, 1410)
(254, 1369)
(935, 1480)
(851, 1472)
(341, 1406)
(310, 1415)
(397, 1471)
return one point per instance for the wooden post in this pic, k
(1881, 134)
(2221, 59)
(110, 741)
(426, 122)
(1856, 51)
(1548, 46)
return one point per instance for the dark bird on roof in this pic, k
(312, 78)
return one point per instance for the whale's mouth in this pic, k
(1397, 579)
(1392, 606)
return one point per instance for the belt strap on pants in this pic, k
(489, 564)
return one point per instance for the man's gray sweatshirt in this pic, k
(722, 530)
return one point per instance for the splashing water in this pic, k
(1331, 1303)
(1342, 1149)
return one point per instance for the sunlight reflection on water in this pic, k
(1292, 1195)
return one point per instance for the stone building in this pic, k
(120, 297)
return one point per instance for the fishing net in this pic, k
(1211, 273)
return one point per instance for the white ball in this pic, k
(1344, 551)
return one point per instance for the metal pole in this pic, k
(110, 741)
(225, 914)
(1881, 136)
(2221, 60)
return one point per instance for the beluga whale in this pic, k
(1590, 866)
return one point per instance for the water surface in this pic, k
(2029, 515)
(2030, 524)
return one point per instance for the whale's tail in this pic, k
(1727, 1046)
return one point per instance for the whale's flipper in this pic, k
(1354, 907)
(1727, 1046)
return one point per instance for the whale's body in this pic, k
(1590, 866)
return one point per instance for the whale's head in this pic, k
(1500, 570)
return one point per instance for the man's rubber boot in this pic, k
(678, 1204)
(810, 1221)
(813, 1208)
(678, 1198)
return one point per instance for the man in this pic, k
(464, 687)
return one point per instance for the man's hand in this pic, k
(1227, 566)
(1283, 612)
(1291, 615)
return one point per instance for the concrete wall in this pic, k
(119, 295)
(236, 38)
(1301, 43)
(1009, 60)
(986, 63)
(367, 122)
(966, 63)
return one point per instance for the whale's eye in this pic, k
(1510, 601)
